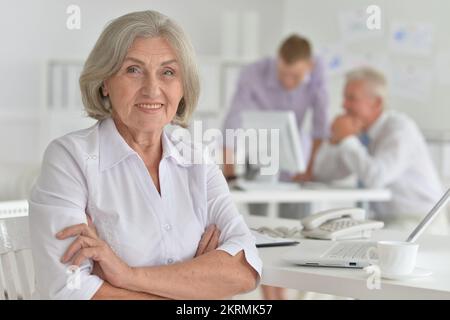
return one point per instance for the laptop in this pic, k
(349, 254)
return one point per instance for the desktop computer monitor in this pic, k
(291, 157)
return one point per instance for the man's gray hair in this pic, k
(111, 48)
(373, 78)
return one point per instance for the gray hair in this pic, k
(111, 48)
(375, 80)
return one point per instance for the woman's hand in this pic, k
(88, 245)
(209, 240)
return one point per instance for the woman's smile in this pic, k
(149, 107)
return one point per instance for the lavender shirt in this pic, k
(259, 89)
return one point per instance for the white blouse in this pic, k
(95, 171)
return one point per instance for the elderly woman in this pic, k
(120, 200)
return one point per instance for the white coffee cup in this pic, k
(395, 258)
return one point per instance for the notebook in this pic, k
(263, 240)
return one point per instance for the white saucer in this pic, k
(417, 273)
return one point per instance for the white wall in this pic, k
(319, 20)
(33, 32)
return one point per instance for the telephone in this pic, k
(339, 224)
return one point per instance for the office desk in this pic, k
(311, 195)
(308, 195)
(434, 254)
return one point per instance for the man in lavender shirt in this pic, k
(294, 81)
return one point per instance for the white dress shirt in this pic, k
(95, 171)
(396, 158)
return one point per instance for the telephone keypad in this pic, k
(338, 224)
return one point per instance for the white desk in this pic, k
(309, 195)
(434, 254)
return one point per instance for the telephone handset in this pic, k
(338, 224)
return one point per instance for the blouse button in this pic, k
(167, 227)
(169, 261)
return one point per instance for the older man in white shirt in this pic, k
(383, 148)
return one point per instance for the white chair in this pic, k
(16, 264)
